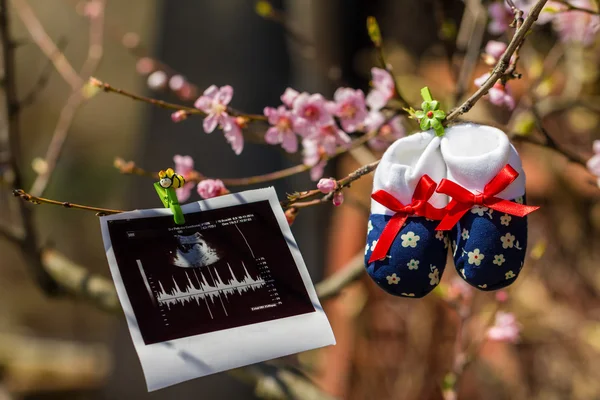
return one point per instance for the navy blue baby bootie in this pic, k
(404, 255)
(486, 216)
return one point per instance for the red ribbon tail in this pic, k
(454, 214)
(387, 237)
(510, 207)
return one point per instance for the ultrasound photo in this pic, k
(224, 268)
(227, 288)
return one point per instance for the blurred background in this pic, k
(64, 347)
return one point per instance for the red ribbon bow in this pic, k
(419, 206)
(463, 200)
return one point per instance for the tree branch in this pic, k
(503, 63)
(28, 242)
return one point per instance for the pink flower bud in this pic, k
(210, 188)
(179, 116)
(327, 185)
(290, 215)
(338, 199)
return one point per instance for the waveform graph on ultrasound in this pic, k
(223, 269)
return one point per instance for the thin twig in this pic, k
(43, 79)
(41, 200)
(28, 244)
(334, 284)
(169, 106)
(571, 7)
(76, 99)
(502, 64)
(45, 43)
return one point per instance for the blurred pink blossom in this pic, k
(350, 108)
(593, 163)
(232, 129)
(388, 134)
(498, 94)
(184, 165)
(157, 80)
(577, 26)
(145, 65)
(383, 89)
(312, 112)
(501, 296)
(374, 120)
(459, 290)
(327, 185)
(493, 51)
(501, 17)
(209, 188)
(506, 328)
(289, 96)
(282, 131)
(93, 9)
(338, 198)
(214, 102)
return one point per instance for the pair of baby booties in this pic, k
(465, 190)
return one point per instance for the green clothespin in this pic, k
(165, 188)
(430, 117)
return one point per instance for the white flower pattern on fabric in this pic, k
(462, 272)
(475, 257)
(434, 276)
(507, 241)
(509, 274)
(454, 247)
(499, 259)
(519, 200)
(439, 235)
(409, 239)
(408, 294)
(374, 244)
(413, 264)
(465, 234)
(479, 210)
(392, 279)
(483, 286)
(505, 219)
(369, 227)
(367, 248)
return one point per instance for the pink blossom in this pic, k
(499, 94)
(493, 51)
(214, 102)
(311, 112)
(282, 131)
(383, 89)
(506, 328)
(501, 16)
(145, 65)
(209, 188)
(577, 26)
(350, 108)
(593, 163)
(93, 9)
(313, 154)
(330, 137)
(184, 166)
(338, 198)
(232, 129)
(459, 290)
(289, 96)
(501, 296)
(388, 133)
(327, 185)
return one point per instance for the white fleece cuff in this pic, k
(474, 154)
(402, 166)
